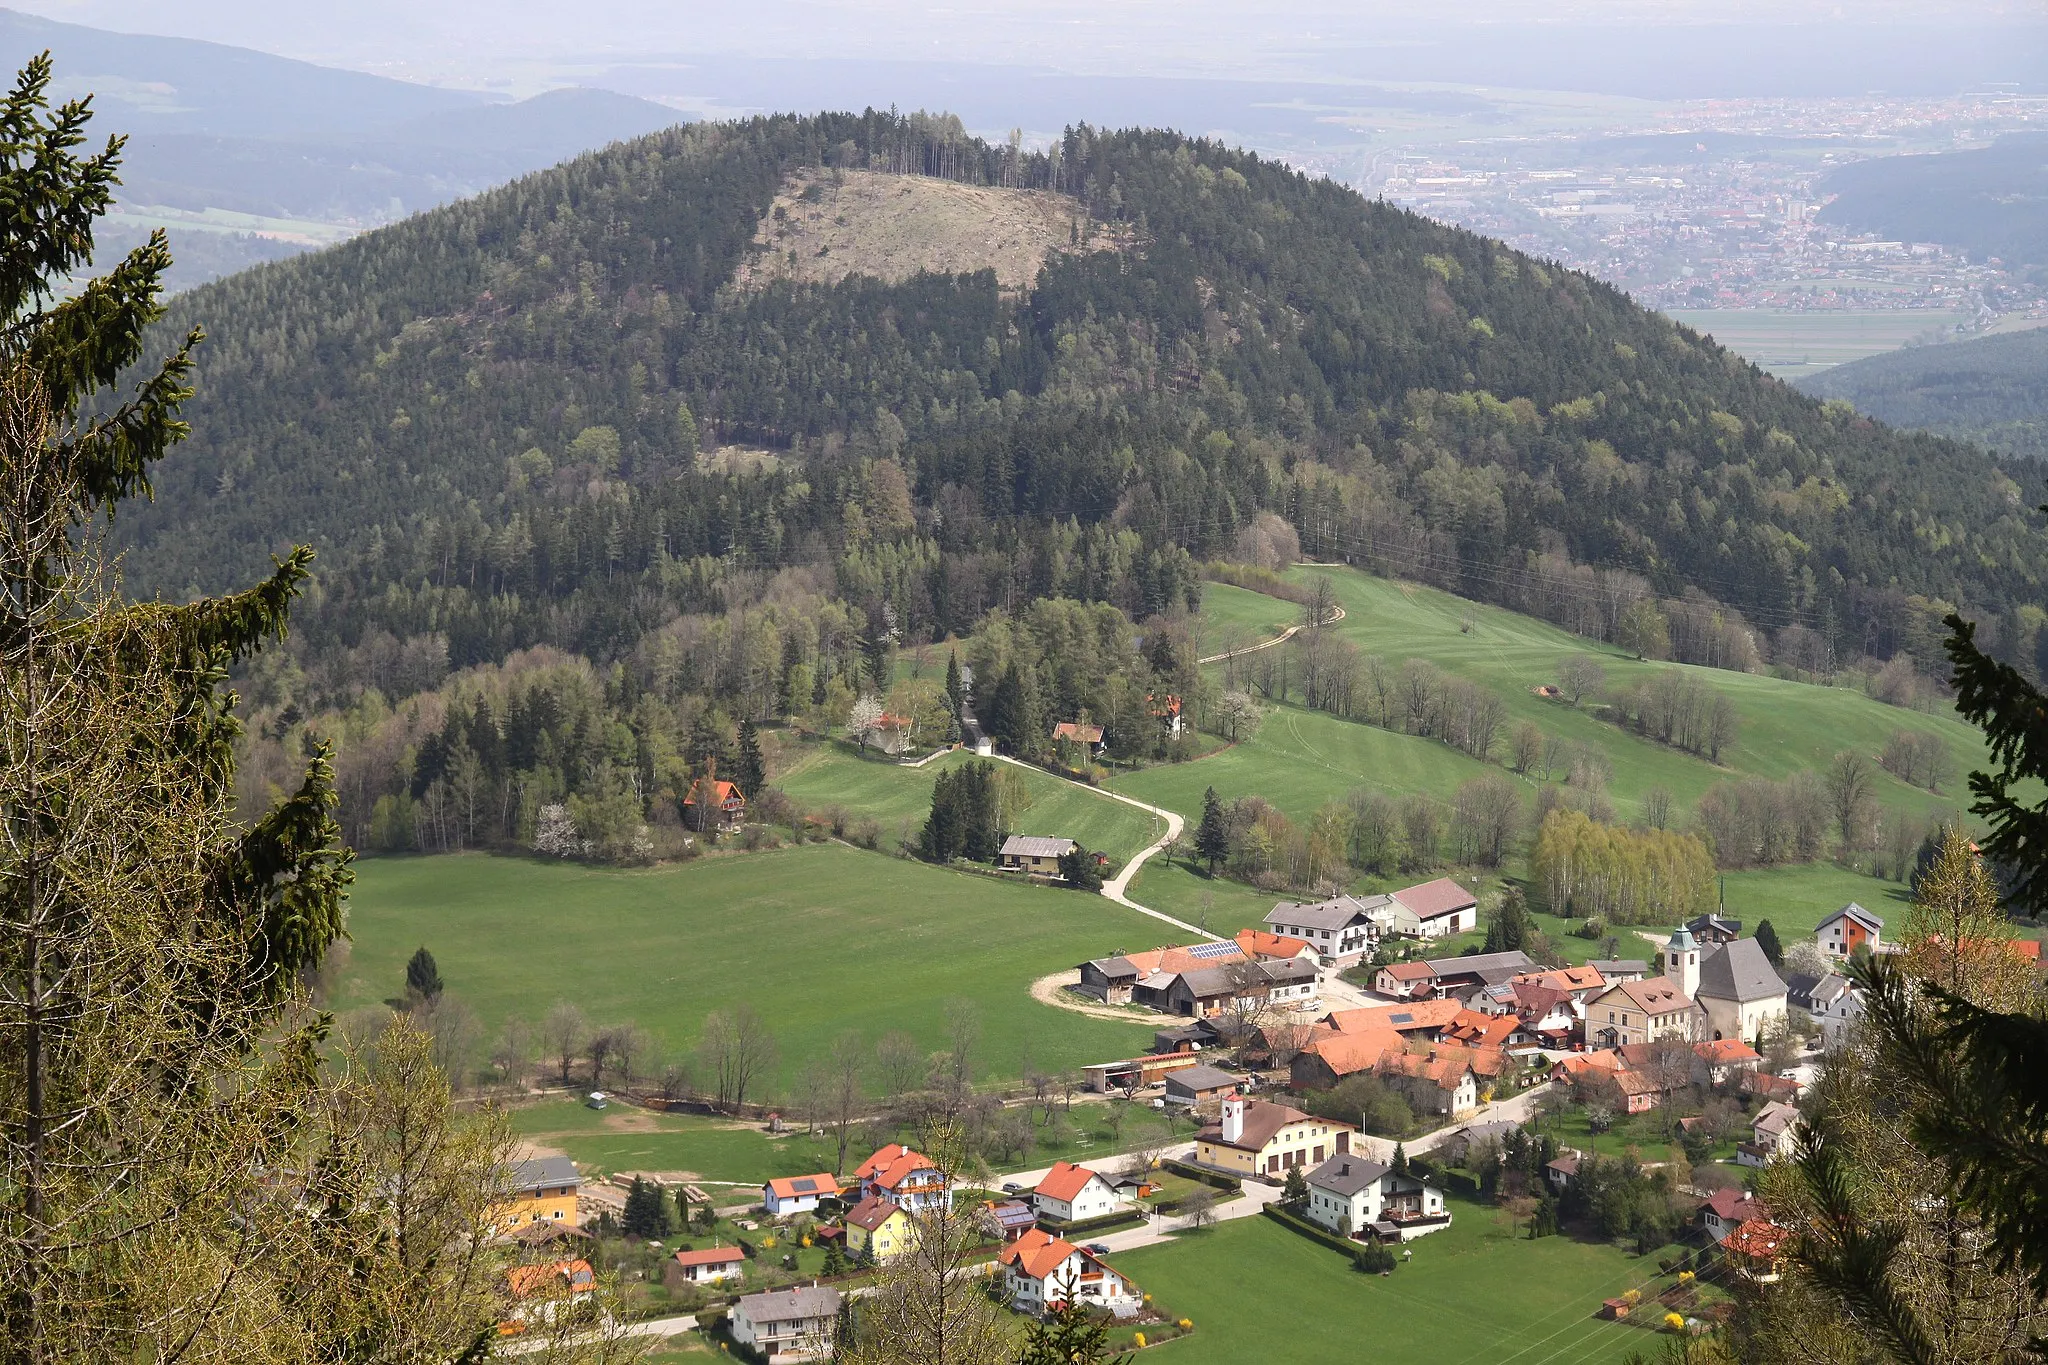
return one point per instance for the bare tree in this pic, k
(963, 1032)
(513, 1050)
(1198, 1207)
(630, 1044)
(737, 1050)
(1657, 808)
(564, 1029)
(1578, 675)
(899, 1063)
(843, 1089)
(1526, 746)
(1851, 788)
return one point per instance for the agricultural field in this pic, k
(820, 939)
(1790, 344)
(825, 773)
(1473, 1292)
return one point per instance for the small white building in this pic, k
(1041, 1271)
(798, 1193)
(1071, 1194)
(1352, 1196)
(705, 1266)
(788, 1324)
(1771, 1129)
(1848, 930)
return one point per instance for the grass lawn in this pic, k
(623, 1138)
(1795, 899)
(1785, 726)
(820, 938)
(1474, 1293)
(825, 773)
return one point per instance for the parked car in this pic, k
(1012, 1187)
(1097, 1248)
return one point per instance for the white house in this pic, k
(704, 1266)
(1850, 928)
(1352, 1196)
(1435, 909)
(1771, 1129)
(787, 1324)
(1042, 1271)
(1340, 928)
(798, 1193)
(1832, 1000)
(1070, 1194)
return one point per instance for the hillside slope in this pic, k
(498, 403)
(1991, 201)
(1991, 390)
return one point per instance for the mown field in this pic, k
(820, 939)
(825, 773)
(1473, 1293)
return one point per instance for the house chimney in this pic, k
(1233, 1118)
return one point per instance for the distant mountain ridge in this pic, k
(1988, 202)
(489, 417)
(1991, 390)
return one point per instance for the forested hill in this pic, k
(491, 418)
(1990, 390)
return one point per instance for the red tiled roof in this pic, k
(1439, 897)
(892, 1164)
(871, 1212)
(1087, 734)
(528, 1280)
(1735, 1205)
(1758, 1239)
(1259, 943)
(1722, 1051)
(710, 1256)
(1345, 1053)
(1653, 995)
(1567, 979)
(1037, 1253)
(1407, 1017)
(727, 792)
(1064, 1181)
(1411, 971)
(823, 1185)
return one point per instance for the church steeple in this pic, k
(1682, 961)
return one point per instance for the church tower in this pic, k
(1682, 962)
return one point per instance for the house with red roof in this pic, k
(798, 1193)
(905, 1178)
(1406, 980)
(703, 1266)
(1728, 1210)
(1075, 732)
(1070, 1194)
(1261, 946)
(539, 1292)
(1042, 1272)
(728, 806)
(1757, 1249)
(1724, 1059)
(1434, 909)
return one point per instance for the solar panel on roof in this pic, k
(804, 1186)
(1213, 950)
(1403, 1018)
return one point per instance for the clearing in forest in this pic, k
(827, 225)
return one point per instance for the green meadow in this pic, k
(820, 938)
(1473, 1293)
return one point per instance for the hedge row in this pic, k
(1129, 1218)
(1206, 1176)
(1313, 1231)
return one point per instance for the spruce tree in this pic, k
(750, 774)
(646, 1213)
(1767, 940)
(155, 1076)
(422, 976)
(956, 693)
(1294, 1193)
(1400, 1159)
(1212, 838)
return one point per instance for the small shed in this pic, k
(1198, 1085)
(1035, 854)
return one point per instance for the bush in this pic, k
(1229, 1184)
(1315, 1232)
(1374, 1260)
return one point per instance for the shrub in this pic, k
(1374, 1260)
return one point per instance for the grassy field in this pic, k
(1473, 1293)
(820, 938)
(1303, 756)
(622, 1138)
(824, 773)
(1791, 343)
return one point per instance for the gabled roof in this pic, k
(1086, 734)
(1336, 913)
(1734, 1205)
(710, 1256)
(1259, 943)
(1635, 1083)
(1411, 971)
(789, 1305)
(1347, 1053)
(542, 1172)
(1432, 899)
(1726, 1051)
(527, 1280)
(1262, 1120)
(1492, 968)
(1757, 1239)
(1774, 1118)
(1652, 995)
(873, 1211)
(1714, 924)
(1567, 979)
(1346, 1175)
(1853, 911)
(819, 1186)
(1620, 966)
(1037, 1253)
(1011, 1213)
(726, 792)
(1035, 846)
(1065, 1181)
(892, 1164)
(1739, 972)
(1406, 1017)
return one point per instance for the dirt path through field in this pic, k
(1052, 990)
(1337, 614)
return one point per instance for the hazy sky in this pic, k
(478, 42)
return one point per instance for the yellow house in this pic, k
(1257, 1138)
(539, 1191)
(878, 1230)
